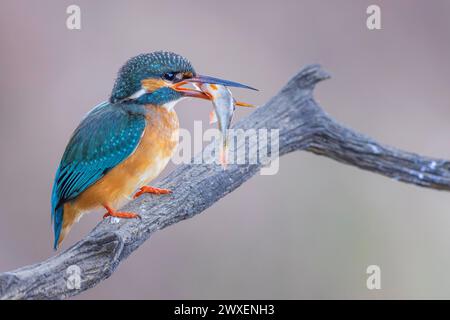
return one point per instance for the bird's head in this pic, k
(157, 78)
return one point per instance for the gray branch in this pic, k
(302, 125)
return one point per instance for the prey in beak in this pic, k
(215, 90)
(199, 80)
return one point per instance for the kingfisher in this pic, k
(122, 144)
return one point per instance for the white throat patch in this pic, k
(137, 94)
(169, 106)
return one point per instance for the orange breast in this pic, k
(154, 151)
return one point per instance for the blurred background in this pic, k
(308, 232)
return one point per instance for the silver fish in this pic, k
(224, 106)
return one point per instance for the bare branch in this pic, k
(340, 143)
(302, 125)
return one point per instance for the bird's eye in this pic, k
(169, 76)
(173, 76)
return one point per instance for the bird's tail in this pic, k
(64, 217)
(57, 220)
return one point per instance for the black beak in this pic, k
(227, 83)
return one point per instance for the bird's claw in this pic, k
(152, 190)
(123, 215)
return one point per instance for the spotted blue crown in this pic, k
(145, 66)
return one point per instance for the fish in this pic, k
(224, 107)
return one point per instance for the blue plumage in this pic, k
(147, 65)
(106, 137)
(112, 131)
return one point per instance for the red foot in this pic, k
(153, 190)
(125, 215)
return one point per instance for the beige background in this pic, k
(308, 232)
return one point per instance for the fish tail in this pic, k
(223, 157)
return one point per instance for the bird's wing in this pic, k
(105, 137)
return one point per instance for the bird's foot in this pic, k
(153, 190)
(118, 214)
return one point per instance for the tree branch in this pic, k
(302, 125)
(340, 143)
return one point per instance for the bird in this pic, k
(125, 142)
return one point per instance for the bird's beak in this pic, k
(212, 80)
(198, 80)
